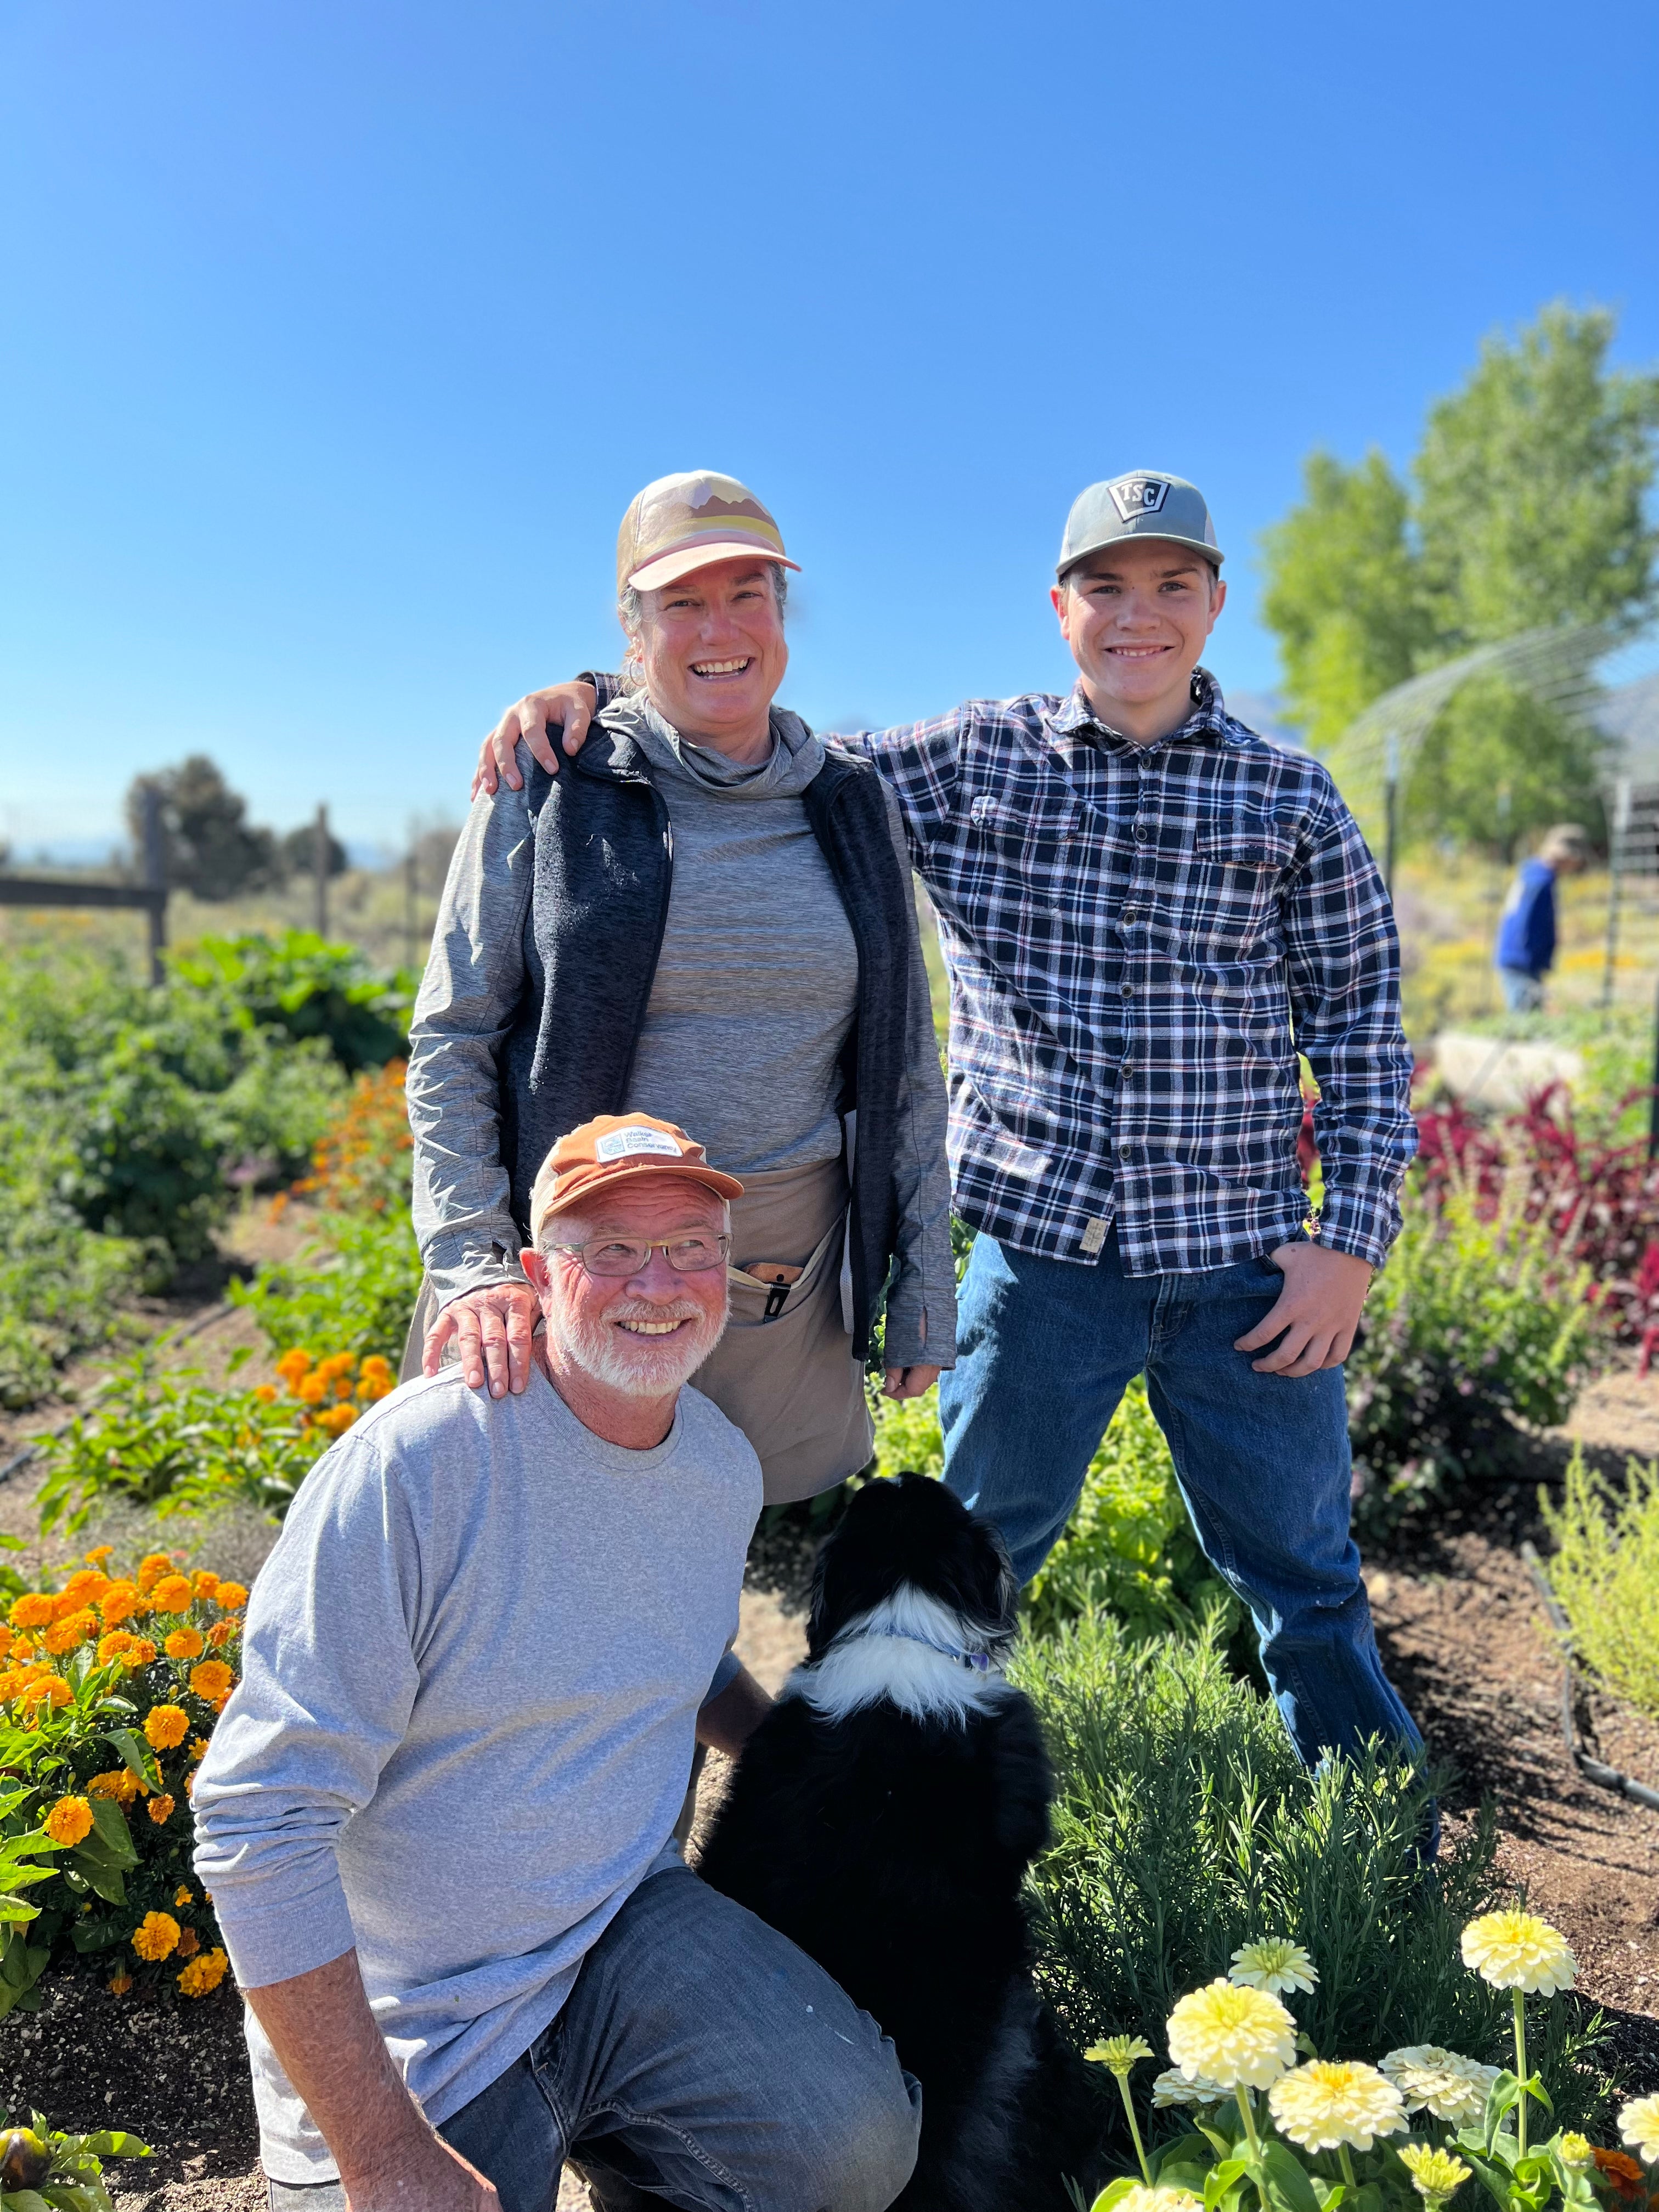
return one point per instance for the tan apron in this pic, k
(784, 1371)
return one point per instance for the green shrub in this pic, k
(353, 1291)
(1472, 1326)
(1185, 1826)
(1605, 1572)
(303, 986)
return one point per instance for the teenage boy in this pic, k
(1147, 912)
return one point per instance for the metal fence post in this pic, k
(155, 879)
(319, 864)
(1615, 884)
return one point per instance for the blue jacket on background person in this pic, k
(1526, 936)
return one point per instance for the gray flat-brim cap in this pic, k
(1146, 503)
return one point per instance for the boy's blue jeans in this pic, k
(1045, 1349)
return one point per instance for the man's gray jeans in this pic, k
(701, 2061)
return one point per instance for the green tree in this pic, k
(1344, 592)
(212, 849)
(1531, 483)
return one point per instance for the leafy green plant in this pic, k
(1472, 1326)
(1184, 1824)
(304, 986)
(1605, 1571)
(40, 2165)
(354, 1289)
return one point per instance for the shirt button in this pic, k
(1127, 989)
(1128, 1067)
(1131, 914)
(1142, 833)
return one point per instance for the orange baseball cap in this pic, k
(607, 1148)
(681, 523)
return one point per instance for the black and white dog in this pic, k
(882, 1815)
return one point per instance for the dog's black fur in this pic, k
(889, 1844)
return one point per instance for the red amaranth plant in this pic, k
(1599, 1200)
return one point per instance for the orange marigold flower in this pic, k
(312, 1390)
(85, 1584)
(181, 1896)
(159, 1810)
(294, 1366)
(143, 1653)
(204, 1584)
(377, 1366)
(189, 1943)
(204, 1975)
(232, 1597)
(190, 1783)
(157, 1935)
(1624, 2174)
(337, 1364)
(119, 1982)
(198, 1745)
(212, 1682)
(184, 1643)
(98, 1554)
(120, 1783)
(65, 1635)
(117, 1644)
(152, 1567)
(118, 1603)
(7, 1639)
(221, 1634)
(34, 1609)
(45, 1690)
(166, 1726)
(172, 1594)
(265, 1393)
(70, 1820)
(343, 1388)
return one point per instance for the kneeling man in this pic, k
(436, 1816)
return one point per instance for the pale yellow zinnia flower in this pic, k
(1515, 1950)
(1119, 2053)
(1443, 2082)
(1638, 2126)
(1329, 2102)
(1173, 2088)
(1575, 2150)
(1436, 2175)
(1239, 2039)
(1275, 1965)
(1143, 2199)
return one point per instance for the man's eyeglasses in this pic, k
(608, 1256)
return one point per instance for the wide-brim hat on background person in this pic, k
(684, 522)
(1146, 503)
(611, 1148)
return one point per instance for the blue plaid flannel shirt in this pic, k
(1140, 940)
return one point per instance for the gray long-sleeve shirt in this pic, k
(754, 993)
(469, 1698)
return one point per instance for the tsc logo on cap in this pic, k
(618, 1143)
(1133, 495)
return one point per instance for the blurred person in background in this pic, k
(1146, 911)
(709, 918)
(1525, 952)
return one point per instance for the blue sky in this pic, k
(339, 335)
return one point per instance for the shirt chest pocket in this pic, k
(1028, 837)
(1231, 894)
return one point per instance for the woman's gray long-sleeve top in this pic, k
(754, 992)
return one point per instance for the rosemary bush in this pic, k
(1606, 1574)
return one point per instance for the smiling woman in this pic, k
(706, 918)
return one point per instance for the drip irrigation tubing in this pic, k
(22, 1457)
(1593, 1770)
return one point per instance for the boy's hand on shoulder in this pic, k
(1317, 1313)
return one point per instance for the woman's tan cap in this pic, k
(682, 523)
(611, 1147)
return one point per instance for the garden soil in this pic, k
(1462, 1631)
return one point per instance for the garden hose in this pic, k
(1593, 1770)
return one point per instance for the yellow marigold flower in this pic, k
(1442, 2082)
(63, 1635)
(98, 1554)
(1576, 2152)
(1142, 2199)
(119, 1982)
(212, 1682)
(313, 1390)
(45, 1690)
(1515, 1950)
(203, 1974)
(198, 1746)
(1119, 2054)
(118, 1603)
(120, 1784)
(172, 1594)
(1172, 2088)
(151, 1568)
(232, 1597)
(157, 1935)
(181, 1895)
(1436, 2175)
(70, 1820)
(159, 1810)
(1329, 2102)
(1236, 2037)
(1638, 2126)
(1275, 1965)
(184, 1643)
(166, 1726)
(34, 1609)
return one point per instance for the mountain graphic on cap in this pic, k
(682, 523)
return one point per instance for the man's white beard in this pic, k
(638, 1366)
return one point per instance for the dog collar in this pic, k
(978, 1662)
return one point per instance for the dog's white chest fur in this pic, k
(894, 1652)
